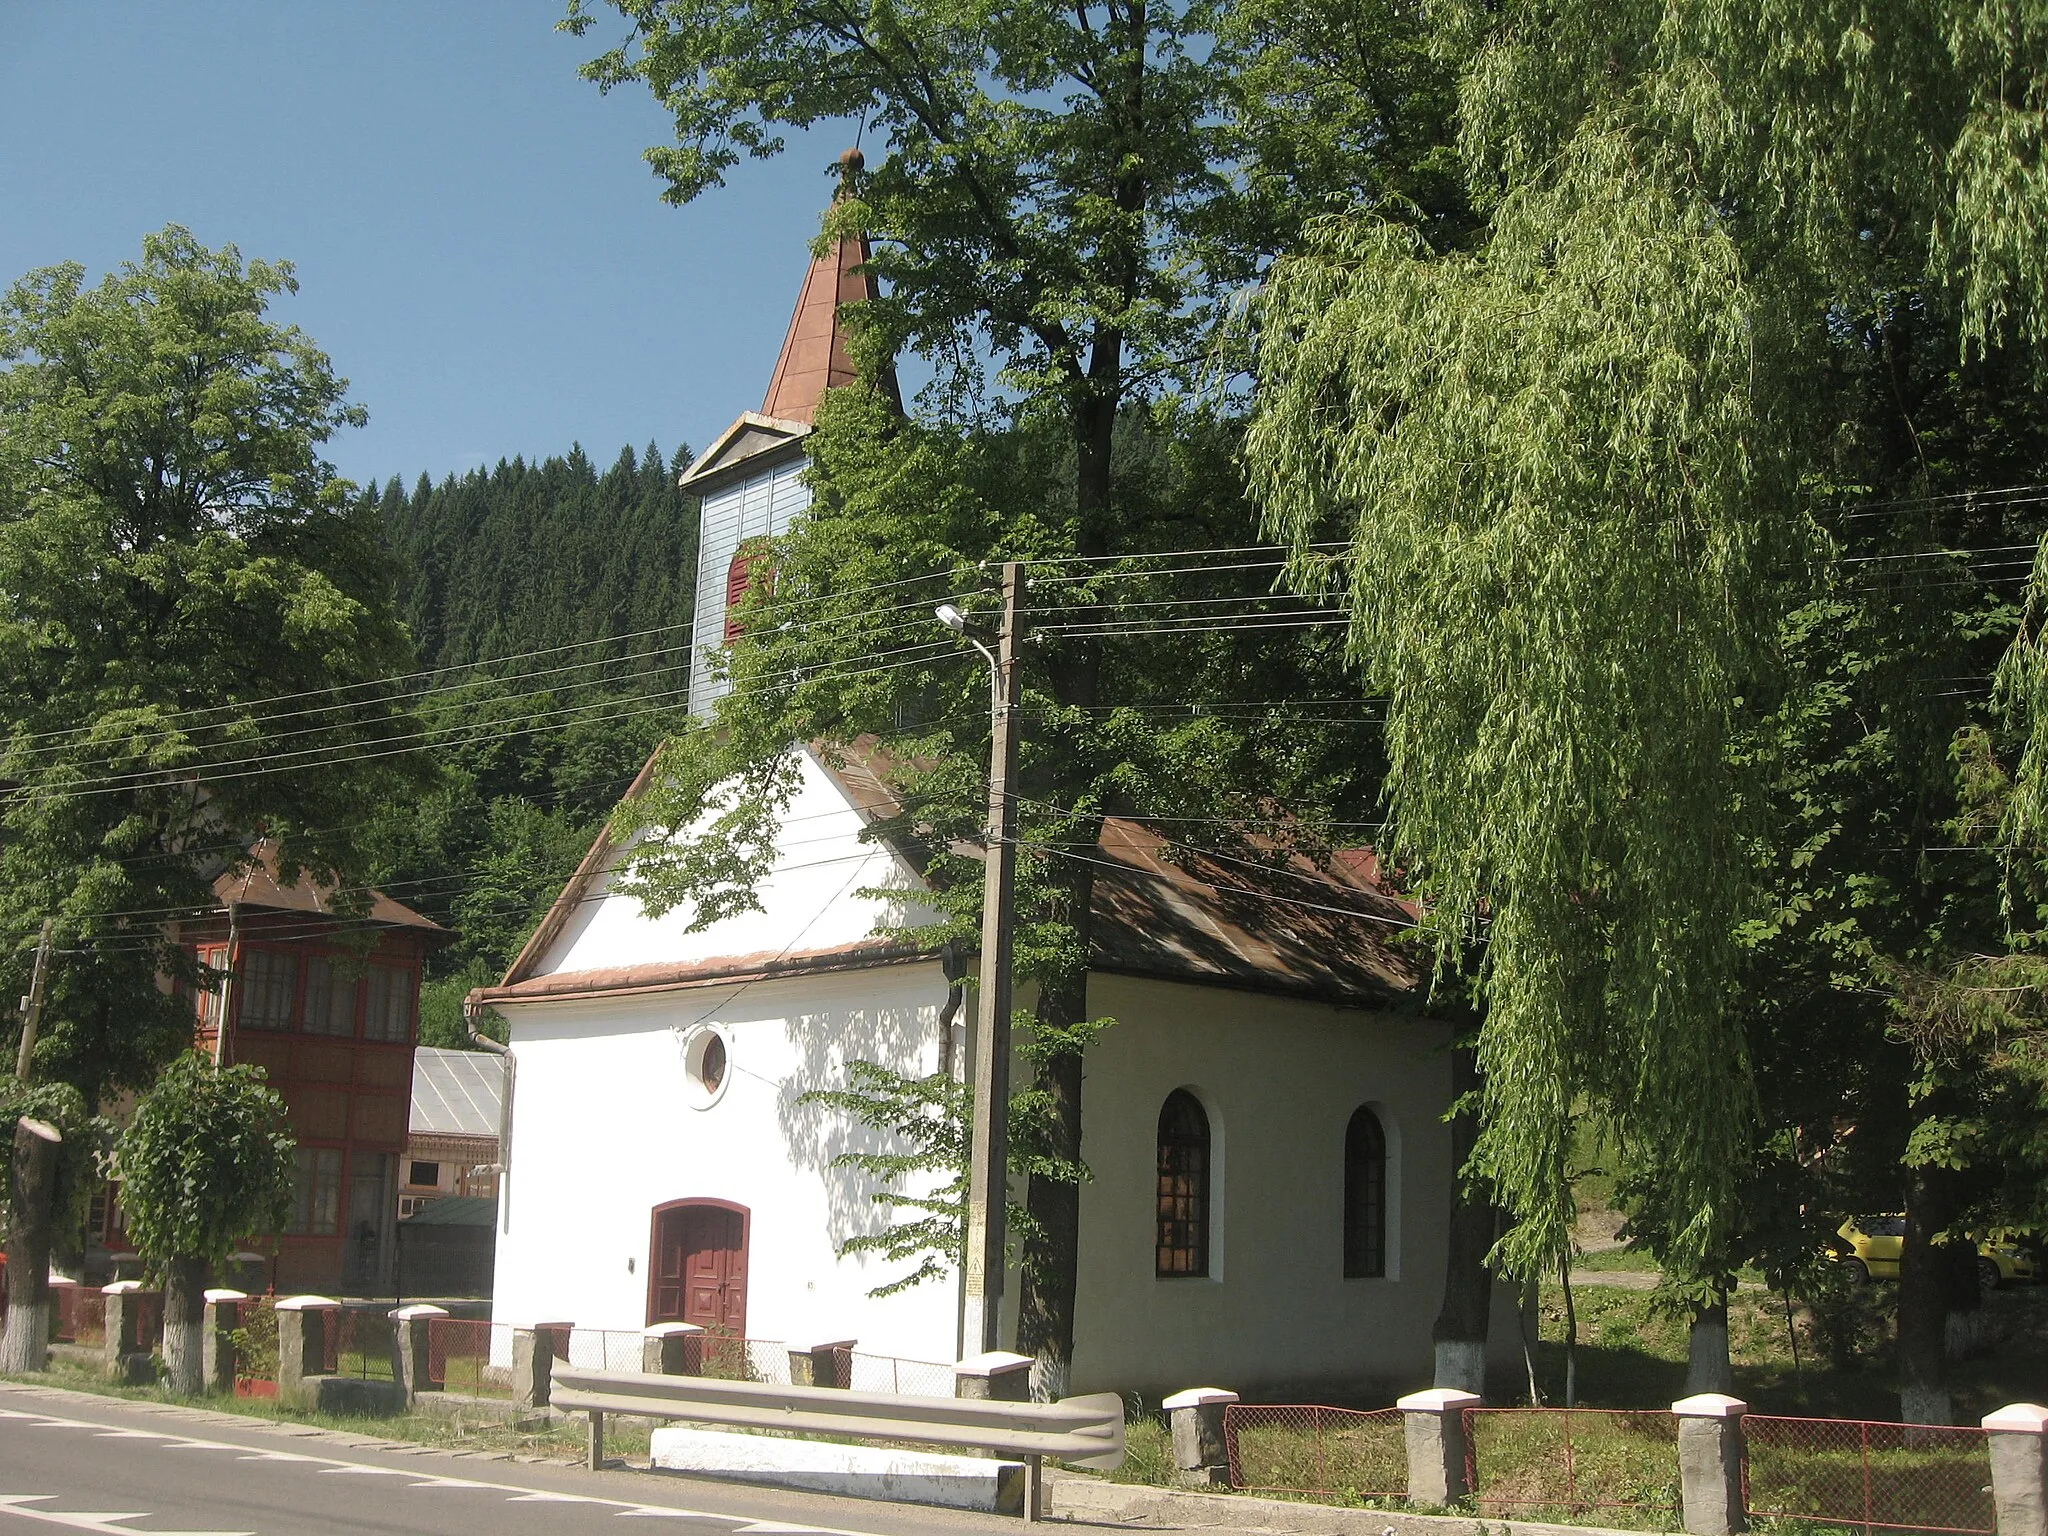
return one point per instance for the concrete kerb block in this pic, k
(411, 1336)
(823, 1365)
(672, 1349)
(998, 1377)
(1433, 1431)
(217, 1325)
(1201, 1454)
(128, 1354)
(302, 1323)
(1710, 1463)
(2019, 1468)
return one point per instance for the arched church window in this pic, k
(1183, 1240)
(1365, 1197)
(749, 569)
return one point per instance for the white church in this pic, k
(1264, 1123)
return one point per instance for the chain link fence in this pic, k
(1566, 1462)
(1305, 1449)
(1872, 1476)
(603, 1349)
(906, 1378)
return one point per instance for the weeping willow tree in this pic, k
(1577, 475)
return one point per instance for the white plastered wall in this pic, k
(812, 899)
(1280, 1079)
(608, 1128)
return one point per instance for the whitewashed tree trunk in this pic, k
(185, 1327)
(32, 1179)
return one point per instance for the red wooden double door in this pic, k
(698, 1268)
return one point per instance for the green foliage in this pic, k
(929, 1122)
(161, 435)
(205, 1164)
(1590, 471)
(530, 755)
(80, 1155)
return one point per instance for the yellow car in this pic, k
(1868, 1247)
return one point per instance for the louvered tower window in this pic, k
(749, 569)
(1183, 1241)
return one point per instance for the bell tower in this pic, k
(751, 477)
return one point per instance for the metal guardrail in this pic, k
(1082, 1431)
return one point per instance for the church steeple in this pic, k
(814, 356)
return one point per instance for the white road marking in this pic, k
(554, 1498)
(90, 1520)
(12, 1503)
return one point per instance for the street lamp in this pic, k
(988, 1147)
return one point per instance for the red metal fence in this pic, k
(471, 1355)
(1302, 1448)
(1572, 1460)
(1879, 1477)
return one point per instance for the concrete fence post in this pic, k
(823, 1365)
(1201, 1455)
(1433, 1430)
(998, 1377)
(302, 1323)
(64, 1294)
(533, 1362)
(672, 1349)
(217, 1325)
(2019, 1468)
(1710, 1463)
(410, 1332)
(128, 1343)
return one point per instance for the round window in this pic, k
(705, 1062)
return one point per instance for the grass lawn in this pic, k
(1631, 1355)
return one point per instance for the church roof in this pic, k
(1163, 909)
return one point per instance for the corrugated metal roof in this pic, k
(456, 1093)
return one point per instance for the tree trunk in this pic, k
(1045, 1315)
(26, 1344)
(1923, 1300)
(1963, 1330)
(1462, 1321)
(184, 1327)
(1707, 1368)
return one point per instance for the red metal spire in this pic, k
(814, 357)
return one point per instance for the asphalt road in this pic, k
(72, 1461)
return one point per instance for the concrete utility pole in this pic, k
(988, 1155)
(32, 1005)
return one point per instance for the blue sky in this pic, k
(479, 245)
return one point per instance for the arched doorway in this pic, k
(697, 1265)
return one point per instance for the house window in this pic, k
(206, 1000)
(749, 569)
(424, 1175)
(1183, 1245)
(330, 997)
(316, 1192)
(269, 985)
(387, 1004)
(1365, 1197)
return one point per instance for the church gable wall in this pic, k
(611, 1123)
(811, 900)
